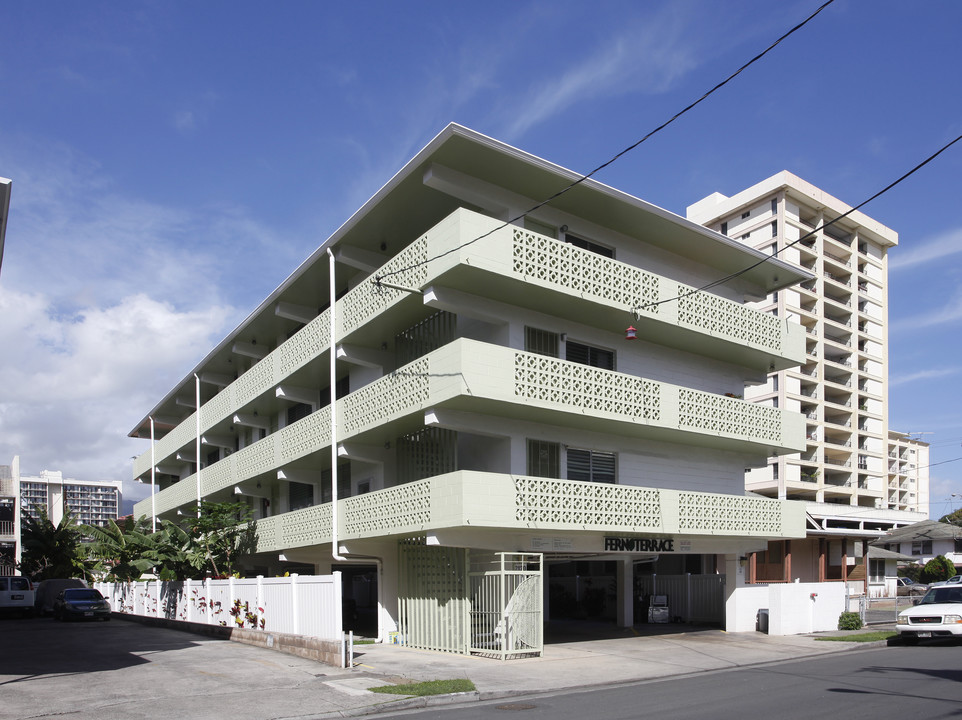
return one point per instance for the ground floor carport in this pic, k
(488, 591)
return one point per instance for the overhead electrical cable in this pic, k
(628, 149)
(807, 235)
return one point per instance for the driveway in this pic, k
(126, 670)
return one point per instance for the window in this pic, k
(724, 228)
(541, 342)
(774, 228)
(300, 495)
(746, 214)
(297, 412)
(591, 466)
(589, 246)
(921, 547)
(876, 570)
(774, 206)
(774, 467)
(774, 383)
(544, 459)
(588, 355)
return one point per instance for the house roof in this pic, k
(877, 553)
(407, 204)
(924, 530)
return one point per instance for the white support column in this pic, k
(190, 605)
(153, 479)
(197, 440)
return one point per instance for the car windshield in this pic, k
(82, 594)
(942, 595)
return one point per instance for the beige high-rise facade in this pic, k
(852, 458)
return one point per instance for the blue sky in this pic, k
(174, 161)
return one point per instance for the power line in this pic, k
(807, 235)
(616, 157)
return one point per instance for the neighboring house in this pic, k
(926, 540)
(91, 502)
(495, 418)
(859, 478)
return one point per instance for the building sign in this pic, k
(632, 544)
(551, 543)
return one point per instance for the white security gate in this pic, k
(470, 602)
(507, 604)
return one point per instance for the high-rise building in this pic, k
(90, 502)
(859, 477)
(842, 387)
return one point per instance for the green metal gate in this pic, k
(470, 602)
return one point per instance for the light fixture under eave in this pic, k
(631, 333)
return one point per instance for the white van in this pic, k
(16, 594)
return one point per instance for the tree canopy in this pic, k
(211, 544)
(953, 518)
(52, 551)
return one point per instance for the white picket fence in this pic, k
(307, 605)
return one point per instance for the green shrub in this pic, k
(937, 569)
(849, 621)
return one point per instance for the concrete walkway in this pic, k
(620, 656)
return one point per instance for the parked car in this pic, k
(81, 603)
(937, 614)
(954, 580)
(48, 590)
(907, 586)
(16, 594)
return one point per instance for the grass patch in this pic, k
(430, 687)
(364, 642)
(861, 637)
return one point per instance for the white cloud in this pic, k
(106, 302)
(647, 58)
(939, 247)
(949, 313)
(184, 120)
(74, 386)
(922, 375)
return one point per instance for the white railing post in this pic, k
(230, 602)
(259, 600)
(209, 612)
(187, 594)
(295, 609)
(160, 588)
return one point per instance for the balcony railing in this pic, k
(531, 261)
(468, 372)
(472, 499)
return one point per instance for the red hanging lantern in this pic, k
(631, 333)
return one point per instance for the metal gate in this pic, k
(470, 602)
(507, 604)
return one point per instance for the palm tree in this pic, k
(52, 551)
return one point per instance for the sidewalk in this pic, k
(623, 655)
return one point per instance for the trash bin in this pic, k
(763, 620)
